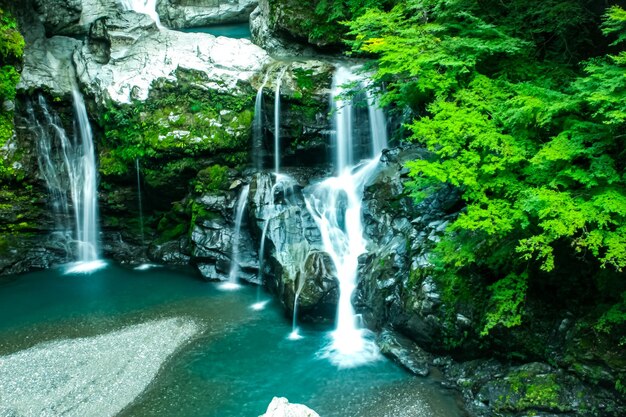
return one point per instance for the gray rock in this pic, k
(404, 351)
(213, 237)
(178, 14)
(396, 287)
(172, 252)
(126, 52)
(281, 407)
(47, 64)
(72, 17)
(493, 388)
(294, 247)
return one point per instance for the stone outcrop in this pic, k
(281, 407)
(294, 255)
(400, 235)
(126, 52)
(140, 56)
(213, 238)
(304, 123)
(177, 14)
(290, 26)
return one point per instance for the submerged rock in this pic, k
(95, 376)
(281, 407)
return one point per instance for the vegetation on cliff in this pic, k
(11, 49)
(527, 119)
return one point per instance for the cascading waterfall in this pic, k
(279, 81)
(70, 166)
(147, 7)
(50, 134)
(233, 280)
(335, 204)
(139, 200)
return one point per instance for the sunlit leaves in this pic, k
(535, 142)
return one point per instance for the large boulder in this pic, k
(126, 52)
(178, 14)
(396, 287)
(298, 266)
(140, 56)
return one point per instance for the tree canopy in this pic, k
(522, 106)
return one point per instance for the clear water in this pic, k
(235, 30)
(233, 368)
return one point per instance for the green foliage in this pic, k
(213, 178)
(11, 49)
(11, 41)
(507, 302)
(533, 139)
(178, 120)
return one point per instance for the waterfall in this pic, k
(83, 184)
(335, 204)
(147, 7)
(378, 124)
(139, 200)
(295, 332)
(260, 305)
(279, 80)
(257, 126)
(69, 166)
(233, 281)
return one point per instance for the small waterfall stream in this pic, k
(139, 200)
(279, 80)
(69, 167)
(83, 183)
(233, 279)
(335, 204)
(257, 126)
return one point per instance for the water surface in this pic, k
(234, 30)
(238, 362)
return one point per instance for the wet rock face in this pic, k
(294, 252)
(400, 235)
(490, 387)
(291, 26)
(72, 17)
(404, 351)
(304, 103)
(178, 14)
(212, 239)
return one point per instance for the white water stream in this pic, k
(335, 204)
(69, 167)
(233, 276)
(279, 80)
